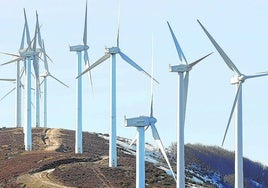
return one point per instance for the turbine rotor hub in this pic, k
(237, 79)
(152, 120)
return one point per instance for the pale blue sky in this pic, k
(240, 28)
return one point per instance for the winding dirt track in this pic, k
(102, 178)
(40, 179)
(53, 140)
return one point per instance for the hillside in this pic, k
(52, 163)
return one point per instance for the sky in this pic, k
(239, 27)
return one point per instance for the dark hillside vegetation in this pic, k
(53, 160)
(216, 159)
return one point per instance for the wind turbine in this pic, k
(25, 54)
(111, 53)
(183, 70)
(28, 53)
(18, 121)
(237, 80)
(78, 49)
(142, 123)
(45, 75)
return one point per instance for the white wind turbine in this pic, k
(45, 75)
(112, 52)
(238, 79)
(18, 58)
(142, 123)
(183, 79)
(28, 53)
(78, 49)
(25, 54)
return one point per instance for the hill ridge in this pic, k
(53, 150)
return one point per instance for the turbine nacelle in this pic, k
(179, 68)
(141, 121)
(112, 50)
(238, 78)
(26, 52)
(44, 74)
(79, 48)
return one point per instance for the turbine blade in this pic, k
(36, 67)
(152, 110)
(118, 25)
(35, 33)
(134, 140)
(136, 66)
(86, 60)
(21, 73)
(36, 71)
(33, 105)
(232, 111)
(7, 93)
(89, 72)
(85, 28)
(27, 30)
(161, 147)
(45, 57)
(22, 39)
(8, 80)
(11, 61)
(38, 31)
(197, 61)
(90, 78)
(152, 82)
(227, 60)
(43, 80)
(45, 54)
(259, 74)
(177, 45)
(58, 80)
(10, 54)
(99, 61)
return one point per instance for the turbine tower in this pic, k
(29, 53)
(111, 53)
(78, 49)
(237, 80)
(142, 123)
(183, 79)
(45, 75)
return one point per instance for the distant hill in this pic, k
(52, 163)
(216, 159)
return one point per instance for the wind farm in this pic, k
(120, 90)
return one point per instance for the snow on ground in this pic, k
(153, 155)
(197, 176)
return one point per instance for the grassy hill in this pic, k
(52, 163)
